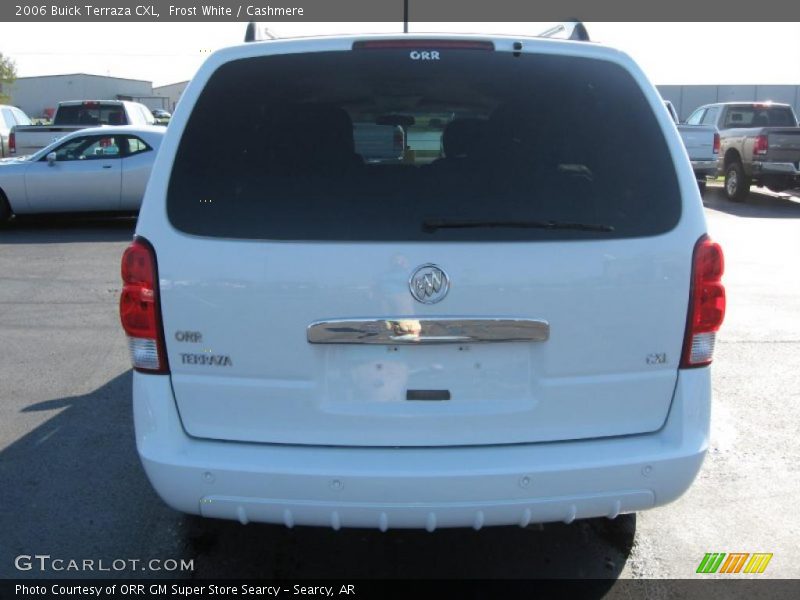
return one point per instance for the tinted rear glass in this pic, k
(760, 116)
(90, 114)
(372, 145)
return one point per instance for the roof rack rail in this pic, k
(258, 32)
(567, 30)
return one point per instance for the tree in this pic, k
(8, 74)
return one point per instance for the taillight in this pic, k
(761, 145)
(716, 143)
(140, 309)
(12, 143)
(706, 304)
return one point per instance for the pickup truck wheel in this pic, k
(5, 209)
(702, 186)
(737, 184)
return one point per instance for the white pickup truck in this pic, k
(10, 116)
(74, 115)
(702, 144)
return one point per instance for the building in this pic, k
(172, 92)
(38, 96)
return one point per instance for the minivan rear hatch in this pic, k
(515, 275)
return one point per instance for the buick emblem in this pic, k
(429, 284)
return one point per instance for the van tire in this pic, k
(737, 184)
(5, 209)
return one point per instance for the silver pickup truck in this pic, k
(760, 145)
(74, 115)
(702, 143)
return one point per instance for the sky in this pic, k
(670, 53)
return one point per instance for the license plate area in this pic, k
(363, 376)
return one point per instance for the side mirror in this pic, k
(51, 158)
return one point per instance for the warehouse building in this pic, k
(172, 92)
(39, 96)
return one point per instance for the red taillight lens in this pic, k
(706, 304)
(12, 143)
(761, 145)
(139, 308)
(716, 143)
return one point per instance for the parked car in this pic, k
(702, 143)
(519, 331)
(95, 169)
(760, 144)
(160, 113)
(9, 117)
(75, 115)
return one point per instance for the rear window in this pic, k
(760, 116)
(374, 145)
(90, 114)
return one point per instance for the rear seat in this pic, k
(314, 139)
(463, 141)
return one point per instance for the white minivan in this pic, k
(515, 328)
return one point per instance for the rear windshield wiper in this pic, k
(432, 225)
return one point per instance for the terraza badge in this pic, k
(217, 360)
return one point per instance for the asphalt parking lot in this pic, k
(71, 485)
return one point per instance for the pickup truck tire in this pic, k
(702, 186)
(5, 209)
(737, 184)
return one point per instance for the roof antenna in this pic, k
(405, 16)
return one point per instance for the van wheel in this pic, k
(5, 210)
(737, 184)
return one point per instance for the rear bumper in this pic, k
(788, 169)
(420, 487)
(705, 168)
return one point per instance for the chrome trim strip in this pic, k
(443, 330)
